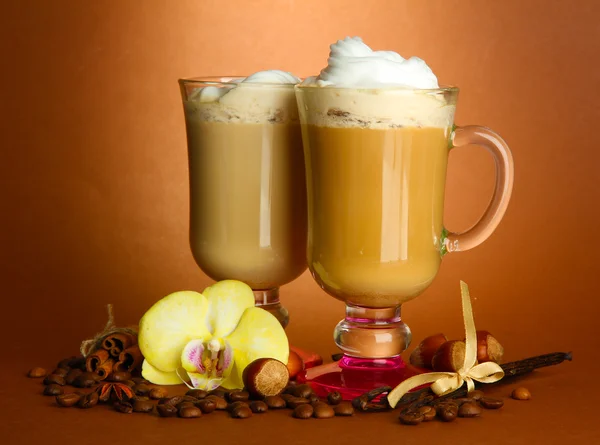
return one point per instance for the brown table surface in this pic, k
(561, 411)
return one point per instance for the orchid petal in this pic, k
(258, 334)
(191, 357)
(153, 375)
(227, 301)
(169, 325)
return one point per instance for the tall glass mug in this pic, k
(247, 184)
(376, 170)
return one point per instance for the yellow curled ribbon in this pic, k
(447, 382)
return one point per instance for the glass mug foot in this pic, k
(352, 376)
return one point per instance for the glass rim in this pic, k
(440, 89)
(219, 80)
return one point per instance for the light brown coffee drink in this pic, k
(247, 185)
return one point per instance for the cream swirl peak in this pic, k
(352, 63)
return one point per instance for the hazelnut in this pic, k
(295, 365)
(450, 356)
(521, 393)
(488, 348)
(265, 377)
(423, 354)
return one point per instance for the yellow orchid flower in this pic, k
(208, 338)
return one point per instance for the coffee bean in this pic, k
(233, 406)
(189, 412)
(141, 389)
(66, 362)
(242, 411)
(175, 400)
(77, 363)
(68, 400)
(289, 389)
(238, 396)
(158, 393)
(86, 380)
(36, 373)
(144, 398)
(521, 394)
(72, 375)
(218, 392)
(447, 412)
(123, 407)
(220, 403)
(89, 400)
(54, 379)
(296, 401)
(61, 372)
(469, 409)
(258, 407)
(119, 376)
(166, 410)
(184, 404)
(139, 380)
(411, 417)
(313, 398)
(142, 406)
(304, 411)
(287, 397)
(476, 394)
(303, 391)
(322, 410)
(428, 413)
(462, 400)
(53, 390)
(343, 408)
(491, 403)
(206, 406)
(275, 402)
(197, 393)
(334, 398)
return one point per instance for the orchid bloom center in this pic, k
(207, 363)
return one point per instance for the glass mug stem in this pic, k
(372, 332)
(268, 299)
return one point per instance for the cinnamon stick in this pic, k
(118, 342)
(130, 359)
(96, 359)
(105, 369)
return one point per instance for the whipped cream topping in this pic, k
(265, 96)
(352, 63)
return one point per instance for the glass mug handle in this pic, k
(492, 142)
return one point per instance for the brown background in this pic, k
(94, 188)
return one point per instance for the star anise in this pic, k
(121, 391)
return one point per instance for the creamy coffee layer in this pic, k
(377, 108)
(263, 97)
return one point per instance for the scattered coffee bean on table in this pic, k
(411, 418)
(68, 400)
(344, 408)
(197, 393)
(220, 403)
(120, 376)
(258, 407)
(36, 373)
(275, 402)
(491, 403)
(303, 391)
(89, 400)
(206, 406)
(334, 398)
(428, 413)
(304, 411)
(476, 394)
(469, 409)
(447, 412)
(521, 393)
(54, 379)
(242, 411)
(141, 389)
(190, 412)
(61, 372)
(53, 390)
(322, 410)
(238, 396)
(72, 376)
(296, 401)
(123, 407)
(166, 410)
(158, 393)
(142, 406)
